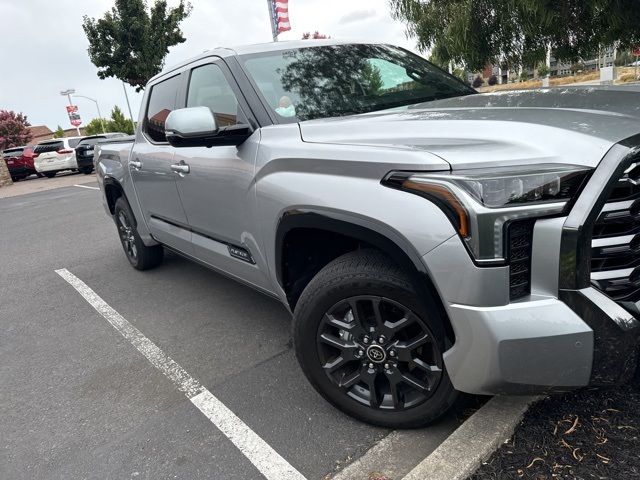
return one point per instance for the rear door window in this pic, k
(162, 100)
(73, 142)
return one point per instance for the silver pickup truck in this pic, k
(427, 239)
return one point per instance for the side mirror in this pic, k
(190, 127)
(196, 127)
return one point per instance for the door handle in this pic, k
(135, 164)
(181, 168)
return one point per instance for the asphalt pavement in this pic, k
(77, 400)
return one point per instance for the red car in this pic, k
(19, 160)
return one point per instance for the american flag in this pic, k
(279, 16)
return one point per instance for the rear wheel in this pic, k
(141, 256)
(370, 346)
(50, 174)
(86, 170)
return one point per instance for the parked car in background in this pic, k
(53, 156)
(84, 150)
(19, 160)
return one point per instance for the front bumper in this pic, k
(566, 334)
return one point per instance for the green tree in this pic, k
(119, 123)
(477, 32)
(131, 41)
(59, 133)
(543, 71)
(373, 79)
(94, 127)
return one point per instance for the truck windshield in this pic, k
(336, 80)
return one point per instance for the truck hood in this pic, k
(562, 125)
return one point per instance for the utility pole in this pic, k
(128, 105)
(104, 130)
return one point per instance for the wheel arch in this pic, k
(329, 238)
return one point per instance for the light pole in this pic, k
(98, 107)
(68, 93)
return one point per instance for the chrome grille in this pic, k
(615, 245)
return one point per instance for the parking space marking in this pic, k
(86, 186)
(264, 458)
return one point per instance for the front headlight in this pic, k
(480, 203)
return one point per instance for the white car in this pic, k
(53, 156)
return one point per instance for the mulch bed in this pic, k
(588, 434)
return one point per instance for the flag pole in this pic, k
(272, 16)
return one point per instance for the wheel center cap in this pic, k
(376, 354)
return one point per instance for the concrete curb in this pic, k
(474, 441)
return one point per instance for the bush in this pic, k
(543, 71)
(492, 80)
(478, 82)
(524, 76)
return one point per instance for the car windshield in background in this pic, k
(91, 141)
(336, 80)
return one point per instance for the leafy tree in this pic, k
(477, 32)
(119, 123)
(130, 42)
(14, 132)
(373, 78)
(314, 36)
(543, 71)
(94, 127)
(59, 133)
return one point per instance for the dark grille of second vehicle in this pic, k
(615, 247)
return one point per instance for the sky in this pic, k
(47, 52)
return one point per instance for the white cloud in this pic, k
(49, 53)
(357, 16)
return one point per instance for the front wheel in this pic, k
(86, 170)
(50, 174)
(370, 346)
(141, 256)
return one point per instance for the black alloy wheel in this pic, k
(371, 345)
(379, 352)
(141, 256)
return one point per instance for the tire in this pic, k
(401, 360)
(141, 256)
(86, 170)
(50, 174)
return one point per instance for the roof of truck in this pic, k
(258, 48)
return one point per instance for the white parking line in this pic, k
(266, 459)
(86, 186)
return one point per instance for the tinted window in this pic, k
(48, 147)
(73, 142)
(12, 152)
(209, 88)
(91, 141)
(162, 100)
(335, 80)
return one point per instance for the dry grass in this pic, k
(625, 74)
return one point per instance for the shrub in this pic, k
(492, 80)
(478, 82)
